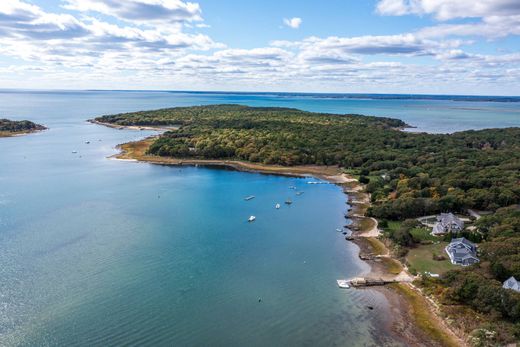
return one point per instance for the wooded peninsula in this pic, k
(407, 175)
(12, 128)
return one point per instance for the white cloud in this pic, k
(87, 51)
(403, 44)
(293, 23)
(498, 18)
(141, 11)
(450, 9)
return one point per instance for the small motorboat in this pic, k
(343, 284)
(74, 152)
(87, 142)
(251, 219)
(299, 193)
(339, 230)
(277, 206)
(292, 187)
(288, 201)
(251, 197)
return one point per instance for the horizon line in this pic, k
(255, 92)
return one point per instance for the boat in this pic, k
(288, 201)
(277, 206)
(344, 284)
(74, 152)
(339, 230)
(299, 193)
(251, 197)
(87, 142)
(251, 219)
(292, 187)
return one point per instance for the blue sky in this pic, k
(378, 46)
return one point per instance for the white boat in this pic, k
(344, 284)
(299, 193)
(251, 219)
(277, 206)
(288, 201)
(339, 230)
(74, 152)
(251, 197)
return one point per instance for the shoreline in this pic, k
(133, 127)
(20, 133)
(404, 298)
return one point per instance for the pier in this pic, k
(369, 282)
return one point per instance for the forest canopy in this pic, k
(10, 126)
(408, 174)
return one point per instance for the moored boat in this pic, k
(251, 219)
(344, 284)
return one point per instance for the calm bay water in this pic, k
(101, 252)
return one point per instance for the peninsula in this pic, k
(394, 180)
(13, 128)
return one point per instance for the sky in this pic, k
(346, 46)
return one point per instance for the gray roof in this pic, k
(512, 283)
(449, 219)
(447, 222)
(462, 251)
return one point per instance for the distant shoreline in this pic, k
(318, 95)
(404, 298)
(4, 134)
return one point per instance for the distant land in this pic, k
(12, 128)
(371, 96)
(474, 98)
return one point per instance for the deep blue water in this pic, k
(102, 252)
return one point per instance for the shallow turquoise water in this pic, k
(101, 252)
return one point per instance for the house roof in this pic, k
(449, 219)
(512, 283)
(461, 249)
(438, 228)
(464, 241)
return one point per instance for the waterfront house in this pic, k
(512, 284)
(462, 252)
(447, 223)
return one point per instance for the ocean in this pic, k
(103, 252)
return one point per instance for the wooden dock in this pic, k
(369, 282)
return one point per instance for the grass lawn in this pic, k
(423, 234)
(393, 225)
(421, 259)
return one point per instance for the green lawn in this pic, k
(393, 225)
(421, 259)
(423, 234)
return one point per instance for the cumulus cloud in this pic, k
(403, 44)
(293, 23)
(497, 18)
(159, 47)
(142, 11)
(28, 32)
(449, 9)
